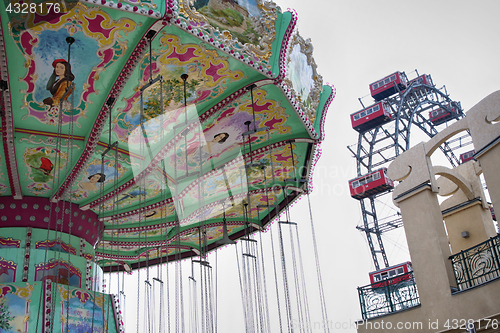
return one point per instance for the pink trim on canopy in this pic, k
(8, 127)
(156, 162)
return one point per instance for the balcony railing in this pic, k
(388, 296)
(477, 265)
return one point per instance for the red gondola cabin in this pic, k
(390, 275)
(443, 114)
(371, 117)
(467, 156)
(422, 79)
(388, 86)
(370, 184)
(493, 216)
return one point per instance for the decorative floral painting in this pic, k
(208, 77)
(15, 301)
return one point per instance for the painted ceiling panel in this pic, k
(101, 41)
(4, 180)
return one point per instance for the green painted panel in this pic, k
(326, 94)
(4, 176)
(79, 310)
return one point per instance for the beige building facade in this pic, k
(454, 246)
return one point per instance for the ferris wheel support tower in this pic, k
(385, 131)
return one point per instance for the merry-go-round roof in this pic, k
(171, 121)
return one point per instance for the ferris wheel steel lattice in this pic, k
(385, 131)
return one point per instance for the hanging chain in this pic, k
(318, 270)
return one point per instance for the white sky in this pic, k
(355, 43)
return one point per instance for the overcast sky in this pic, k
(355, 43)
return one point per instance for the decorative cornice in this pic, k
(317, 148)
(237, 94)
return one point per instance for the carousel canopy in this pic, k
(177, 126)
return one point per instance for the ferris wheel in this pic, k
(404, 112)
